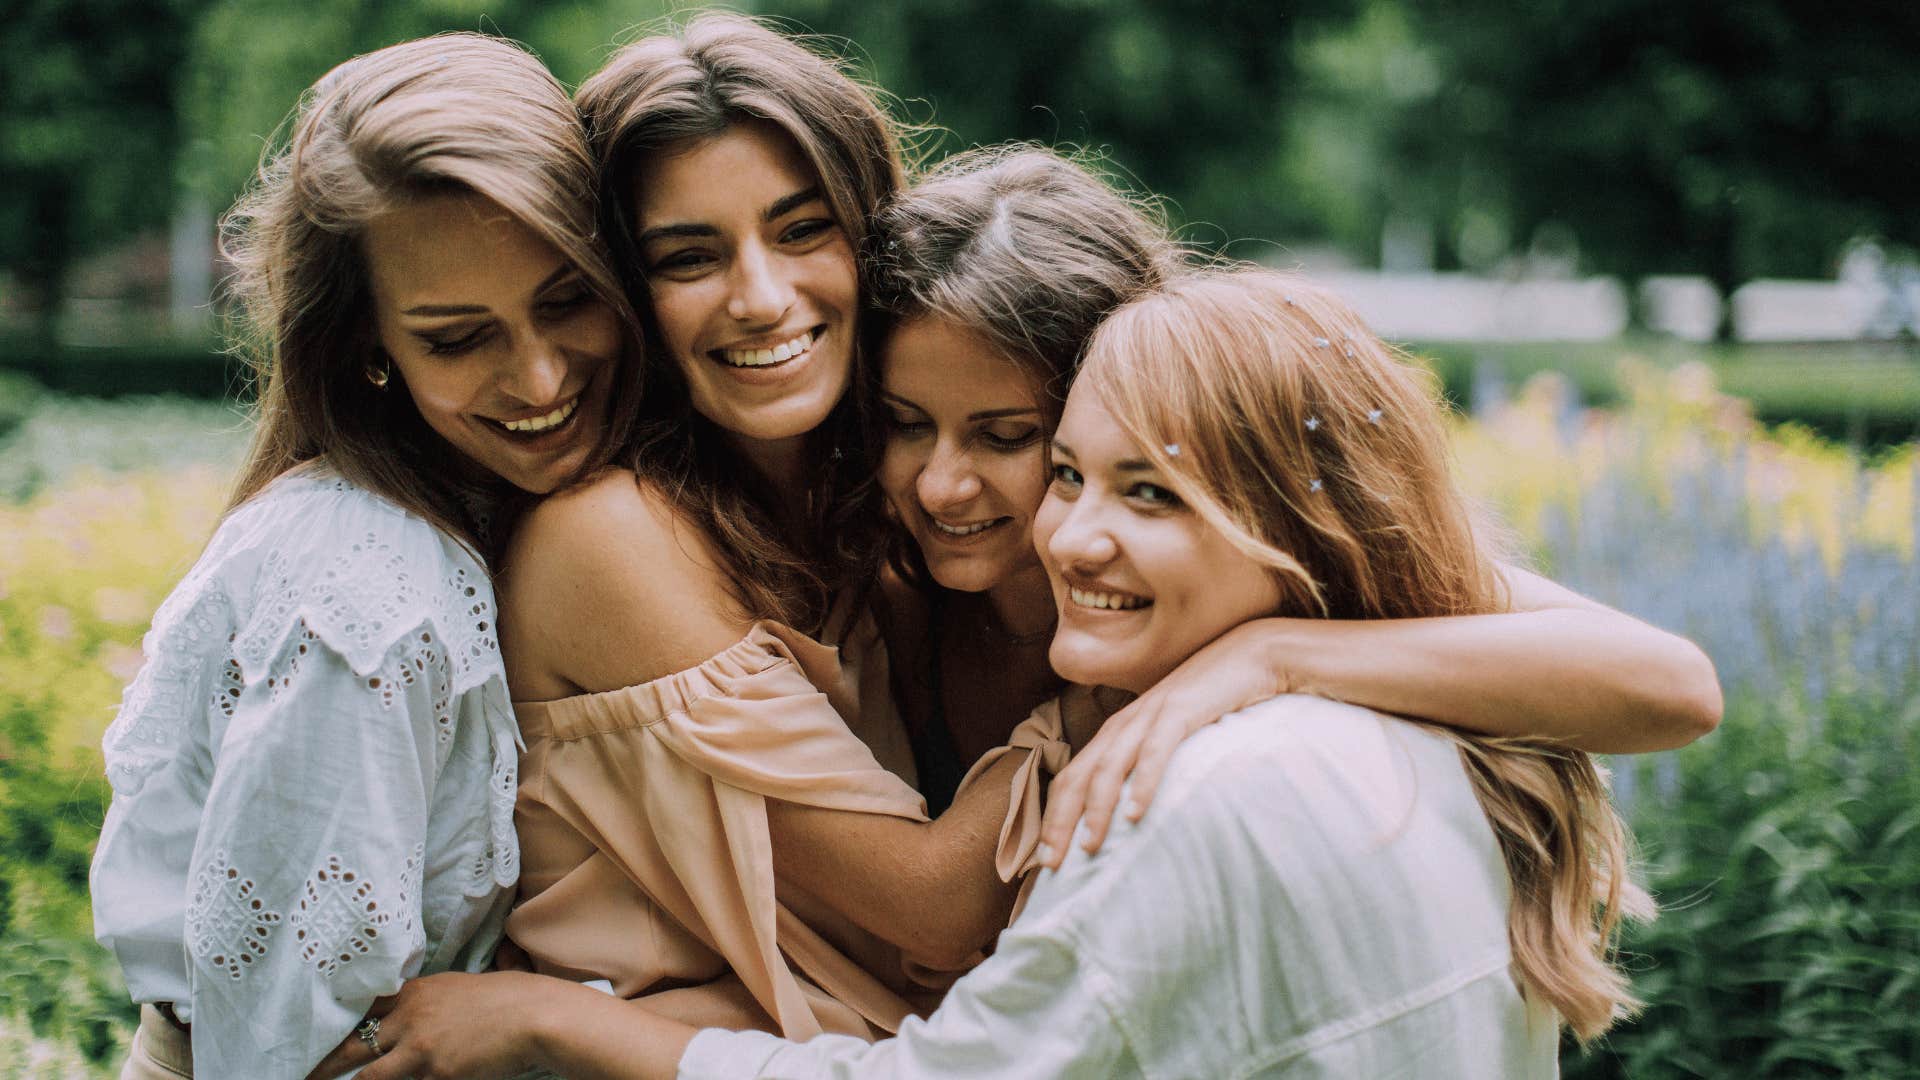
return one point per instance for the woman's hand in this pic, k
(443, 1027)
(1236, 670)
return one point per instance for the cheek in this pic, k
(900, 465)
(594, 333)
(678, 310)
(835, 277)
(1027, 482)
(1046, 521)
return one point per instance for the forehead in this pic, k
(942, 366)
(721, 179)
(1090, 430)
(456, 245)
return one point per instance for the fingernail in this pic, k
(1045, 853)
(1134, 810)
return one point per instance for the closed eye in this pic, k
(454, 345)
(1007, 440)
(907, 426)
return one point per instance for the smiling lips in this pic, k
(1106, 601)
(958, 531)
(799, 345)
(533, 425)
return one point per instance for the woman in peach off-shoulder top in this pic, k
(712, 752)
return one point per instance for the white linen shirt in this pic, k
(313, 778)
(1315, 892)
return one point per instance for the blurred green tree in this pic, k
(1729, 140)
(1191, 100)
(251, 59)
(90, 92)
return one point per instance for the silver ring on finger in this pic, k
(369, 1033)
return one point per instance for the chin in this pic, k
(1088, 663)
(962, 578)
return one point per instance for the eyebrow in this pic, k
(481, 309)
(983, 414)
(781, 207)
(1130, 465)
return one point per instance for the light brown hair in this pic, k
(1318, 451)
(694, 82)
(1021, 245)
(456, 112)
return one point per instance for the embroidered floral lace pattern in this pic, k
(228, 927)
(366, 597)
(342, 913)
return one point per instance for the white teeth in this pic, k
(962, 530)
(542, 423)
(1105, 600)
(786, 350)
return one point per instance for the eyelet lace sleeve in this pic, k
(313, 779)
(304, 899)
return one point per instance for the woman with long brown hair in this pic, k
(313, 773)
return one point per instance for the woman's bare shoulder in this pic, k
(608, 584)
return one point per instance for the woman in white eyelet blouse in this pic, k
(314, 772)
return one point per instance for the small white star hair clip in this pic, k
(1316, 485)
(1373, 417)
(1350, 353)
(1172, 449)
(1289, 299)
(1313, 423)
(1321, 343)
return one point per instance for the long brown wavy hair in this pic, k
(695, 82)
(456, 112)
(1318, 451)
(1022, 246)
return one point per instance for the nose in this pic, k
(1080, 539)
(536, 372)
(948, 480)
(759, 292)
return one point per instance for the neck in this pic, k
(783, 464)
(1024, 602)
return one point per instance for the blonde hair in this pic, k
(1317, 450)
(456, 112)
(694, 82)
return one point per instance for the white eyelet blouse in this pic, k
(313, 778)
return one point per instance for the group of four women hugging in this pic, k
(671, 569)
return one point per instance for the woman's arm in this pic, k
(929, 888)
(1557, 666)
(504, 1023)
(307, 872)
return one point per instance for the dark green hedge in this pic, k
(190, 369)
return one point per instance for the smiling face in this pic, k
(1141, 581)
(752, 280)
(965, 464)
(506, 352)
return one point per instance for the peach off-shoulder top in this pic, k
(645, 852)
